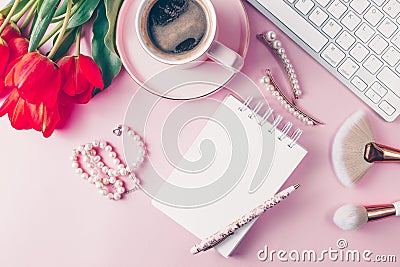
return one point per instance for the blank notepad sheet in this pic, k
(269, 161)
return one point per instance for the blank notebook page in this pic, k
(281, 160)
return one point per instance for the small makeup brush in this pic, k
(354, 150)
(350, 217)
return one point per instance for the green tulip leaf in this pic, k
(47, 8)
(41, 25)
(33, 23)
(84, 13)
(61, 9)
(7, 8)
(103, 46)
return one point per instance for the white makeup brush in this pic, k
(350, 217)
(354, 150)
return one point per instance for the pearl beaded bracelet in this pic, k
(105, 178)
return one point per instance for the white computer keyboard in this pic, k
(358, 41)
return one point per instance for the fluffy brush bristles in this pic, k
(350, 217)
(348, 149)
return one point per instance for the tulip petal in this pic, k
(66, 65)
(18, 47)
(19, 117)
(9, 103)
(37, 79)
(10, 31)
(85, 97)
(91, 71)
(51, 118)
(9, 79)
(4, 55)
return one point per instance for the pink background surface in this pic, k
(50, 217)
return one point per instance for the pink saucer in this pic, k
(233, 32)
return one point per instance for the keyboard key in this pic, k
(379, 2)
(351, 20)
(323, 2)
(378, 44)
(373, 64)
(392, 8)
(304, 6)
(365, 32)
(391, 56)
(318, 16)
(390, 80)
(379, 89)
(332, 28)
(387, 28)
(396, 39)
(348, 68)
(373, 16)
(360, 84)
(345, 40)
(387, 108)
(337, 9)
(333, 55)
(359, 5)
(374, 97)
(293, 21)
(359, 52)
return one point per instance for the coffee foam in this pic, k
(178, 26)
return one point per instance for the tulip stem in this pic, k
(22, 12)
(8, 18)
(55, 29)
(62, 32)
(51, 34)
(78, 42)
(29, 16)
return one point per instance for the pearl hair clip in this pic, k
(270, 40)
(106, 179)
(273, 87)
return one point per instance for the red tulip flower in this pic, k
(16, 48)
(10, 31)
(81, 76)
(24, 115)
(32, 104)
(4, 55)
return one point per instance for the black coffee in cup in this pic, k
(177, 26)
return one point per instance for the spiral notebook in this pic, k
(264, 175)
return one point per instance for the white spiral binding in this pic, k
(275, 124)
(266, 116)
(295, 137)
(285, 130)
(256, 110)
(246, 104)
